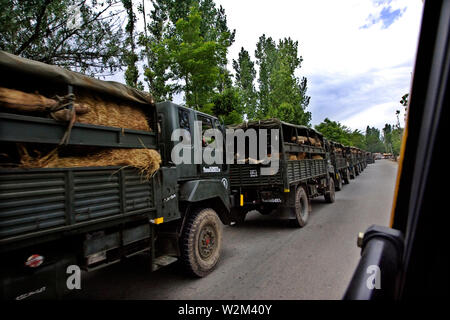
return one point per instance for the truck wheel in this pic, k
(339, 183)
(201, 242)
(301, 208)
(347, 177)
(329, 194)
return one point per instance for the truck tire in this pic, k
(329, 194)
(301, 209)
(201, 242)
(347, 176)
(339, 182)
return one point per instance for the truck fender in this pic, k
(200, 190)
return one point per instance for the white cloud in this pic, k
(373, 117)
(349, 68)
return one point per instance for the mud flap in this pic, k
(45, 282)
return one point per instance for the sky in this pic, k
(358, 55)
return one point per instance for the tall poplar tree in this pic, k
(245, 75)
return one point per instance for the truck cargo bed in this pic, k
(20, 128)
(295, 171)
(37, 202)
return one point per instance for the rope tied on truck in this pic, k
(65, 104)
(60, 108)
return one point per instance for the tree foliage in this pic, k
(281, 93)
(185, 47)
(245, 75)
(194, 61)
(334, 131)
(130, 56)
(373, 141)
(392, 138)
(228, 105)
(337, 132)
(80, 35)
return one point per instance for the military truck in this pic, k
(370, 157)
(361, 156)
(304, 173)
(353, 161)
(339, 162)
(52, 219)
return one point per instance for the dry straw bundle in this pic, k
(146, 160)
(89, 108)
(112, 113)
(301, 155)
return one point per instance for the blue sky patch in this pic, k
(387, 16)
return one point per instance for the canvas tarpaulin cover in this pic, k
(14, 66)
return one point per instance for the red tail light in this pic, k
(34, 261)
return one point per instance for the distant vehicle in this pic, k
(378, 156)
(304, 172)
(370, 157)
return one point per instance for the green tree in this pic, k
(157, 73)
(195, 61)
(397, 135)
(337, 132)
(357, 139)
(245, 75)
(76, 34)
(334, 131)
(265, 54)
(387, 137)
(404, 100)
(130, 56)
(373, 140)
(228, 106)
(281, 93)
(162, 69)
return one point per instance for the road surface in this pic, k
(265, 258)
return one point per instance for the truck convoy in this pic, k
(81, 185)
(304, 173)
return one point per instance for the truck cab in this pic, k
(198, 182)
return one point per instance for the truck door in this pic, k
(186, 121)
(207, 169)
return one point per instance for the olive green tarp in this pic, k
(14, 66)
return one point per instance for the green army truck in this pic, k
(370, 158)
(351, 156)
(361, 157)
(54, 220)
(339, 162)
(304, 173)
(364, 158)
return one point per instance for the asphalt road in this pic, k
(265, 258)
